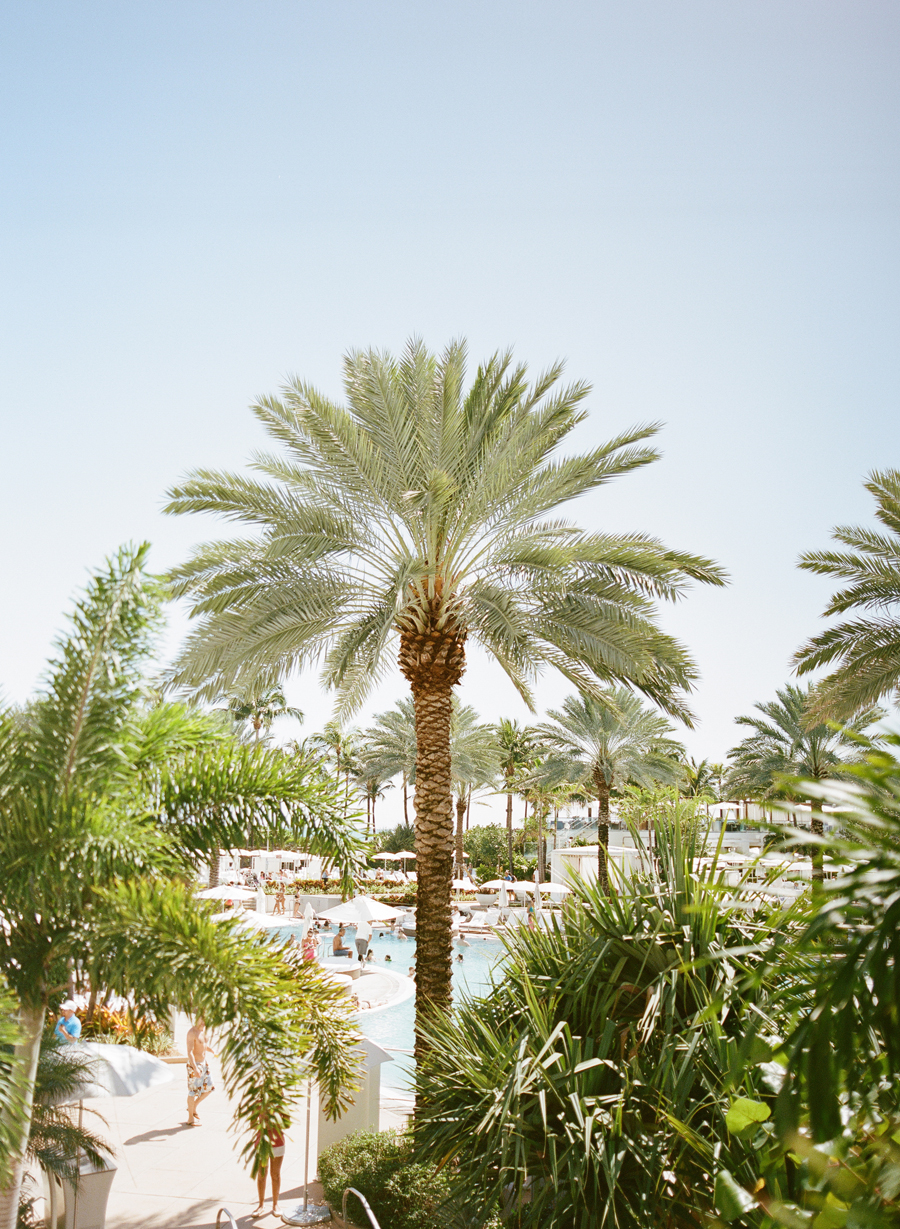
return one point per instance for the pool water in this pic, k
(393, 1029)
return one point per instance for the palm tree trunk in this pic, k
(214, 855)
(31, 1022)
(405, 809)
(433, 804)
(817, 828)
(460, 821)
(602, 831)
(509, 830)
(432, 660)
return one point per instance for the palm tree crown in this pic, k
(259, 710)
(787, 742)
(865, 649)
(420, 516)
(606, 744)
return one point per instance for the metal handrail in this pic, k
(351, 1190)
(225, 1212)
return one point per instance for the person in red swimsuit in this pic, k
(272, 1162)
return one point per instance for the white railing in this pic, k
(232, 1223)
(351, 1190)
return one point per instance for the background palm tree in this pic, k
(473, 762)
(608, 742)
(516, 753)
(421, 516)
(787, 742)
(259, 711)
(702, 779)
(340, 749)
(389, 747)
(866, 649)
(107, 812)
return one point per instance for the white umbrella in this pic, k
(547, 886)
(360, 909)
(120, 1071)
(463, 885)
(385, 857)
(504, 895)
(225, 892)
(308, 916)
(260, 900)
(494, 885)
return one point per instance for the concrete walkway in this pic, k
(172, 1176)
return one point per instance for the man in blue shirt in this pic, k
(68, 1026)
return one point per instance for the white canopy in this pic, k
(120, 1071)
(361, 909)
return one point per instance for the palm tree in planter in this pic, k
(107, 811)
(516, 752)
(608, 742)
(417, 518)
(787, 741)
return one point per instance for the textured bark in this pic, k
(509, 830)
(214, 856)
(31, 1021)
(460, 822)
(602, 788)
(432, 661)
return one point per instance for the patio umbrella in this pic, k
(494, 885)
(360, 909)
(385, 857)
(504, 895)
(225, 892)
(308, 916)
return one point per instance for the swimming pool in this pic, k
(393, 1029)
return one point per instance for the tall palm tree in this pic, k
(417, 518)
(389, 747)
(259, 710)
(787, 742)
(473, 765)
(341, 748)
(516, 752)
(865, 649)
(107, 811)
(610, 742)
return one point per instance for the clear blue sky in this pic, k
(696, 204)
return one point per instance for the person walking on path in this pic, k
(68, 1026)
(279, 899)
(199, 1081)
(268, 1160)
(363, 935)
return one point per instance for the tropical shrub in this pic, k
(622, 1059)
(404, 1193)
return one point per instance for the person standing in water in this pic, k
(199, 1081)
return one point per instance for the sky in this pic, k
(694, 204)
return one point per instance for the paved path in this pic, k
(172, 1176)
